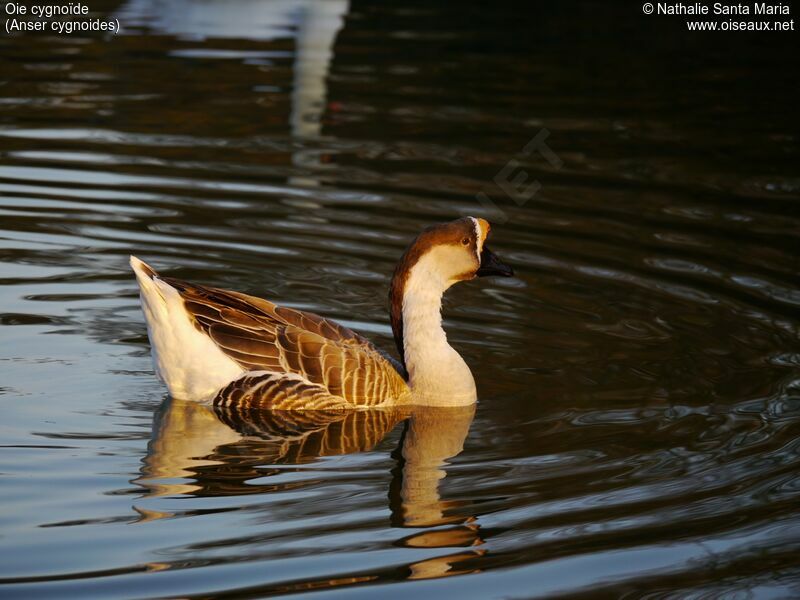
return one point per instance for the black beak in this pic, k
(491, 265)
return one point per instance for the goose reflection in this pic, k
(203, 451)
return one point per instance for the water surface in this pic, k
(638, 430)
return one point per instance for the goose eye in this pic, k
(465, 241)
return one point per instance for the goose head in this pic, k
(448, 253)
(440, 256)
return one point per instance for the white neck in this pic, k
(437, 374)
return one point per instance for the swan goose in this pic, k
(232, 349)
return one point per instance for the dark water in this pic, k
(638, 430)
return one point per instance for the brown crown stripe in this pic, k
(435, 235)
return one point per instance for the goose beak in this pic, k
(491, 265)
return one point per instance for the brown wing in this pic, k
(277, 391)
(261, 336)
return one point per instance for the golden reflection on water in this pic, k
(193, 445)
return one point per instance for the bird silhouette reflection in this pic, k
(203, 451)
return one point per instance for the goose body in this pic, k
(232, 349)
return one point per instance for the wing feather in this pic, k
(277, 391)
(261, 336)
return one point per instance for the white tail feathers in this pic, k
(187, 360)
(142, 269)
